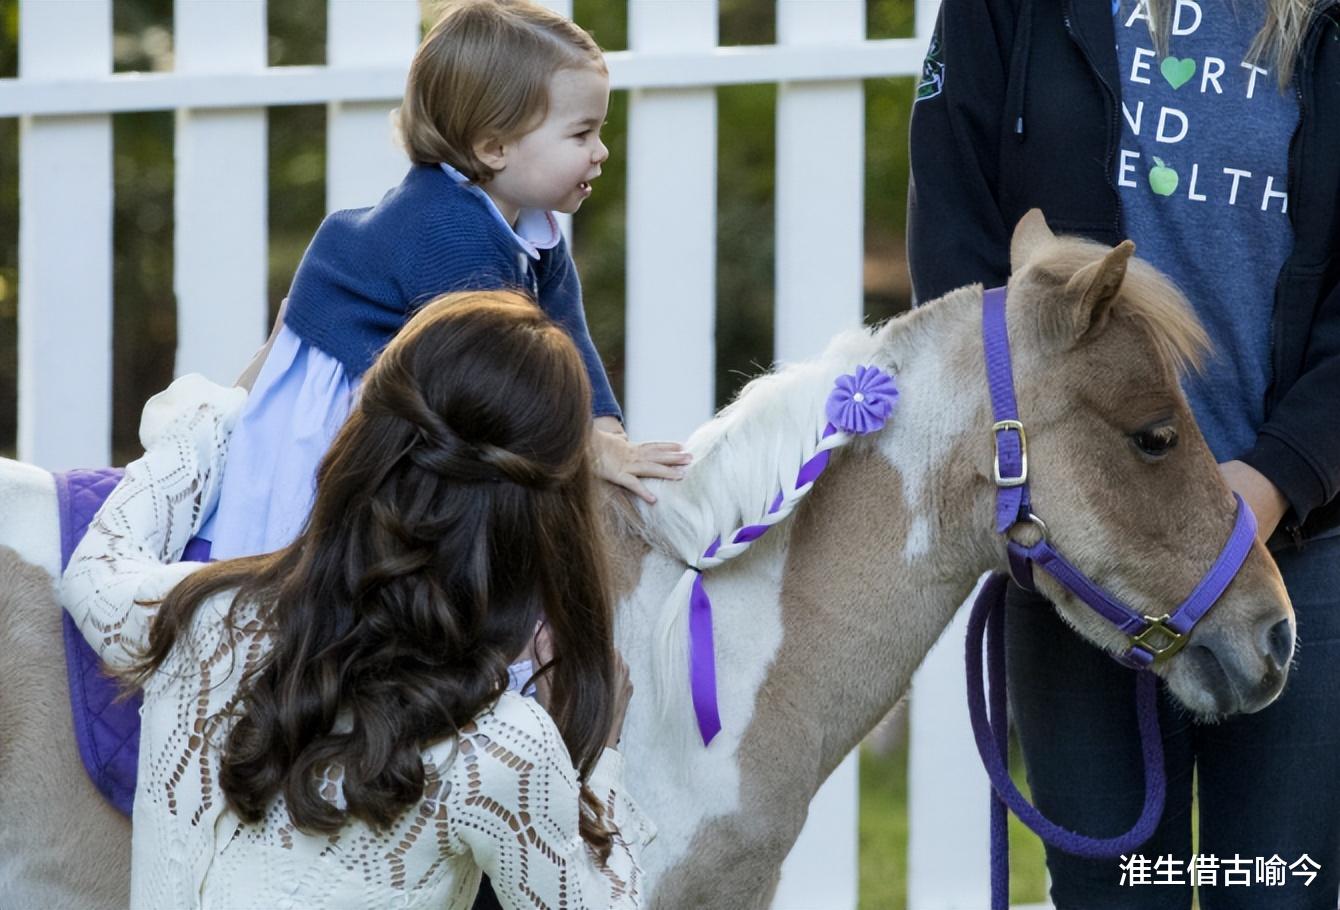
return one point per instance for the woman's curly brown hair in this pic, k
(453, 511)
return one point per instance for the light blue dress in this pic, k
(298, 403)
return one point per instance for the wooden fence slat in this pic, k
(221, 207)
(363, 160)
(65, 245)
(672, 173)
(819, 217)
(704, 68)
(820, 186)
(948, 849)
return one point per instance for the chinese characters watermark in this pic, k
(1206, 869)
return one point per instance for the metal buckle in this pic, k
(1173, 641)
(996, 429)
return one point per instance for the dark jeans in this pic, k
(1269, 783)
(486, 899)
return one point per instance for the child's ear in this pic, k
(492, 151)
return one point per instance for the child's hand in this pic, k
(623, 462)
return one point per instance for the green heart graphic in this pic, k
(1176, 71)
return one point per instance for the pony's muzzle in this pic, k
(1234, 679)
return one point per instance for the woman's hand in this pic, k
(623, 693)
(1263, 497)
(623, 462)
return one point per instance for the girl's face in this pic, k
(553, 165)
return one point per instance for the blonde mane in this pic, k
(752, 449)
(1148, 298)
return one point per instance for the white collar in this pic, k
(535, 229)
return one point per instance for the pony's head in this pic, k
(1127, 486)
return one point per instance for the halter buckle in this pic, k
(1171, 641)
(1019, 480)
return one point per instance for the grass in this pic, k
(884, 827)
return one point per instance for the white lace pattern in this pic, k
(502, 798)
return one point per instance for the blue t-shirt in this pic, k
(1202, 176)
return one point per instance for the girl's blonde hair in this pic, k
(483, 71)
(1278, 43)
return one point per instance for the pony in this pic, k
(821, 623)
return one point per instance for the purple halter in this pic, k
(1152, 639)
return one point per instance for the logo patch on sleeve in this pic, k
(932, 71)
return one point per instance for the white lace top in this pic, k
(502, 798)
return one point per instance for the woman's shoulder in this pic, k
(223, 641)
(514, 732)
(521, 723)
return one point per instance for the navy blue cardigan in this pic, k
(367, 270)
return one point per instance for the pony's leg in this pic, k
(61, 844)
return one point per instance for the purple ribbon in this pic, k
(860, 403)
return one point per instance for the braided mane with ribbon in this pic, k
(860, 403)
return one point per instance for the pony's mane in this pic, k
(752, 449)
(1148, 298)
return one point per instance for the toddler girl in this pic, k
(501, 118)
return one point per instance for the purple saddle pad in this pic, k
(106, 730)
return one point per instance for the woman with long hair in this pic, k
(329, 724)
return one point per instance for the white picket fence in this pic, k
(220, 90)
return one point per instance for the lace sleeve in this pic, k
(120, 569)
(519, 810)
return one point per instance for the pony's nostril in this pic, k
(1280, 644)
(1213, 677)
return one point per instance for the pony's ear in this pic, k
(1030, 234)
(1090, 293)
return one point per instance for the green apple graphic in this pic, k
(1162, 179)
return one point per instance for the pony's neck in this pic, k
(939, 441)
(900, 527)
(818, 627)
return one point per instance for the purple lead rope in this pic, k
(987, 621)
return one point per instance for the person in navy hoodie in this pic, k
(1206, 131)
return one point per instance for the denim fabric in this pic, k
(1269, 783)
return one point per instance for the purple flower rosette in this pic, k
(861, 402)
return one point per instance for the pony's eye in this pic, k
(1156, 441)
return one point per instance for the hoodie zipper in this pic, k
(1114, 120)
